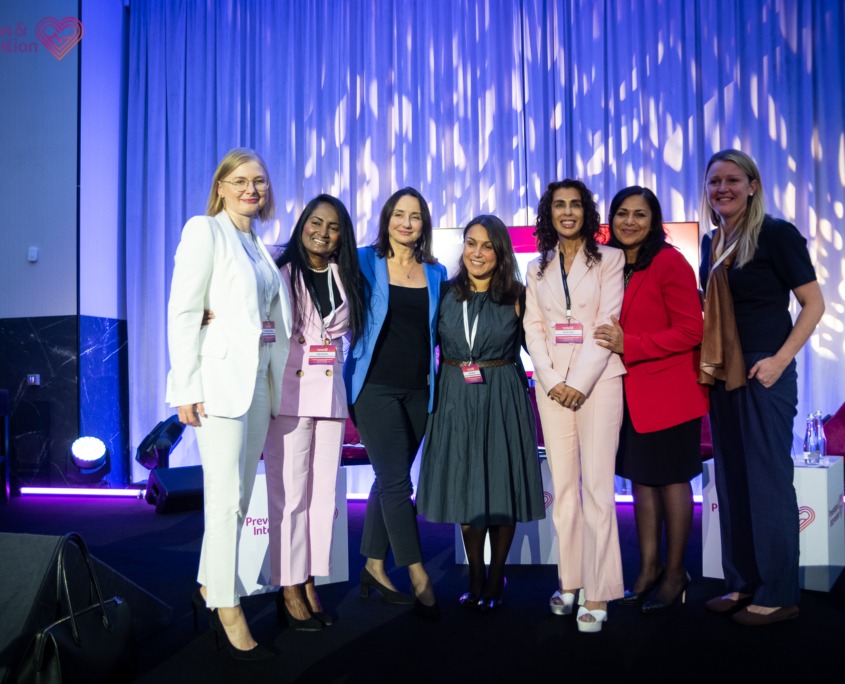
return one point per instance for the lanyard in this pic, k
(262, 270)
(470, 337)
(323, 319)
(565, 288)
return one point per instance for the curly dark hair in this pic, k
(547, 237)
(506, 283)
(656, 238)
(422, 249)
(346, 257)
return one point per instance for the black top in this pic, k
(402, 354)
(760, 289)
(318, 284)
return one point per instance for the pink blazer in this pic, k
(596, 293)
(315, 390)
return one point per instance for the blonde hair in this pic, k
(747, 231)
(233, 159)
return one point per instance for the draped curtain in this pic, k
(478, 104)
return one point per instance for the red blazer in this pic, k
(663, 325)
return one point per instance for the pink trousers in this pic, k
(301, 458)
(581, 450)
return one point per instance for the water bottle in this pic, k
(822, 440)
(811, 443)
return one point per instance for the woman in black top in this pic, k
(388, 381)
(748, 356)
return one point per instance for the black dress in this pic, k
(480, 462)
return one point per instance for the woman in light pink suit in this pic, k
(574, 285)
(302, 453)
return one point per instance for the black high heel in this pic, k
(390, 595)
(257, 652)
(486, 603)
(656, 605)
(638, 598)
(469, 599)
(198, 605)
(309, 624)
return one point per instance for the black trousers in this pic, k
(391, 422)
(758, 509)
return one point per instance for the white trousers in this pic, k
(230, 449)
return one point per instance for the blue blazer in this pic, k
(374, 270)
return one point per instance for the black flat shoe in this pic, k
(391, 596)
(656, 605)
(257, 652)
(468, 599)
(198, 605)
(283, 617)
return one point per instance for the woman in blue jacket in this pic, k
(389, 382)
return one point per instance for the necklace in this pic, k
(318, 270)
(410, 270)
(629, 272)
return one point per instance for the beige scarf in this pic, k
(721, 352)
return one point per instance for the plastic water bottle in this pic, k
(822, 440)
(811, 443)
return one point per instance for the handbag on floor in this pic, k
(91, 644)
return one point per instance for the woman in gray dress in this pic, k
(480, 466)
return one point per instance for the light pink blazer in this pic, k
(315, 391)
(596, 293)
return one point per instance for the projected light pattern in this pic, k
(479, 104)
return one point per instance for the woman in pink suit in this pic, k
(574, 285)
(657, 336)
(302, 453)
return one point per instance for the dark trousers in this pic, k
(758, 509)
(391, 422)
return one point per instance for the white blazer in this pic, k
(216, 364)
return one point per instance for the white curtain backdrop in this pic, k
(479, 104)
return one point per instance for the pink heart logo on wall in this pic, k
(806, 515)
(59, 36)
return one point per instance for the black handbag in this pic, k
(88, 645)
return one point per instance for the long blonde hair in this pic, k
(747, 231)
(233, 159)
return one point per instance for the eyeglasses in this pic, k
(241, 184)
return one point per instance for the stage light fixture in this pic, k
(89, 461)
(154, 450)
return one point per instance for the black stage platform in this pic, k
(375, 642)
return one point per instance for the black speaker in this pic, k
(174, 490)
(28, 594)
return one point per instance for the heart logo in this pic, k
(547, 499)
(59, 36)
(806, 515)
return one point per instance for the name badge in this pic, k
(268, 332)
(322, 354)
(472, 374)
(569, 333)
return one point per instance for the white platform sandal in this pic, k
(561, 604)
(600, 616)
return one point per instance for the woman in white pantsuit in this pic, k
(302, 454)
(226, 378)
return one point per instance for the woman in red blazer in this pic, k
(660, 438)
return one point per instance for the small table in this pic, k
(821, 524)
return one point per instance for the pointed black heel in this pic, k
(488, 603)
(258, 652)
(655, 605)
(638, 598)
(283, 616)
(198, 606)
(369, 582)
